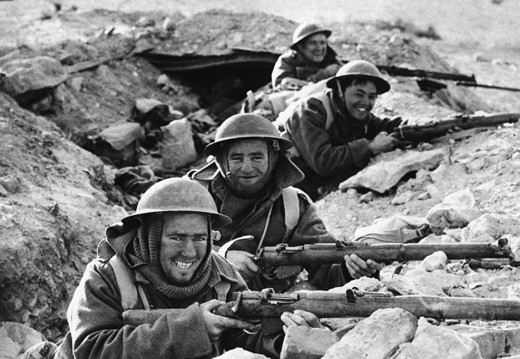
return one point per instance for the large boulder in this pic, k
(384, 175)
(432, 342)
(28, 80)
(376, 337)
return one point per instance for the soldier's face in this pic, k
(360, 98)
(184, 244)
(314, 48)
(248, 162)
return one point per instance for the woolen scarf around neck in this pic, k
(146, 245)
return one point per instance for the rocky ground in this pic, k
(57, 198)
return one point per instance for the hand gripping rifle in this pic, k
(329, 253)
(422, 133)
(268, 306)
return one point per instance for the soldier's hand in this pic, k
(244, 263)
(216, 324)
(384, 143)
(300, 318)
(358, 268)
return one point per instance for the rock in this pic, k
(403, 198)
(461, 198)
(307, 343)
(419, 281)
(118, 143)
(493, 343)
(447, 215)
(145, 105)
(377, 336)
(10, 183)
(432, 342)
(437, 260)
(168, 24)
(16, 338)
(461, 293)
(77, 83)
(433, 238)
(513, 291)
(475, 277)
(382, 176)
(367, 197)
(477, 164)
(28, 80)
(485, 228)
(366, 284)
(455, 233)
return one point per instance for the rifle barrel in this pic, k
(474, 84)
(328, 253)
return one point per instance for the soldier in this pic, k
(251, 181)
(310, 58)
(161, 257)
(334, 132)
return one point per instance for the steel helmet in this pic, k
(179, 195)
(246, 126)
(360, 68)
(306, 30)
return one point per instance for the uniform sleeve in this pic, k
(98, 330)
(306, 127)
(283, 68)
(310, 228)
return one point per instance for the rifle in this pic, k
(425, 132)
(402, 71)
(328, 253)
(267, 305)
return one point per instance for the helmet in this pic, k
(361, 68)
(306, 30)
(179, 195)
(246, 126)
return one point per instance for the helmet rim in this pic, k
(188, 195)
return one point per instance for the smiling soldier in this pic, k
(310, 58)
(161, 257)
(251, 181)
(334, 132)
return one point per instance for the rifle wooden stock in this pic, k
(328, 253)
(268, 305)
(420, 133)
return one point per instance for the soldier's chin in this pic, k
(246, 189)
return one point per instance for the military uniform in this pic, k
(330, 149)
(95, 313)
(292, 64)
(251, 217)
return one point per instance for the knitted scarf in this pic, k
(146, 247)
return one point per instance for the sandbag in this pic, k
(177, 147)
(395, 229)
